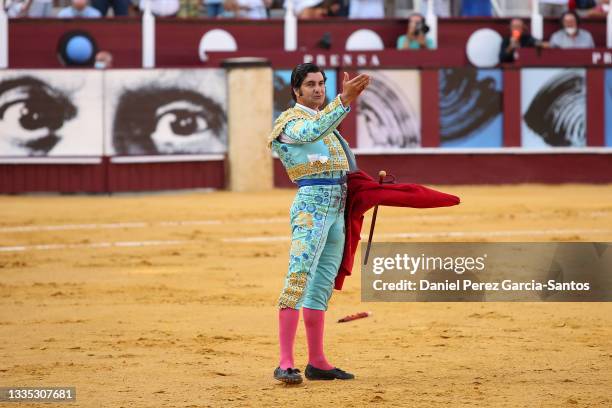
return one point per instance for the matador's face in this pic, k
(312, 91)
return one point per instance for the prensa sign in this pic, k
(601, 58)
(344, 59)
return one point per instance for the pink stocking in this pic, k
(314, 320)
(288, 319)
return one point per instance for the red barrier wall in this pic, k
(33, 42)
(484, 168)
(108, 177)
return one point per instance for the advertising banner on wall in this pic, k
(389, 111)
(470, 107)
(553, 107)
(165, 112)
(50, 114)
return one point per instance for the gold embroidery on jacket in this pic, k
(297, 113)
(293, 292)
(337, 161)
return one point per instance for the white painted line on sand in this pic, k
(46, 247)
(286, 238)
(440, 234)
(262, 220)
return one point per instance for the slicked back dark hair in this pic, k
(299, 74)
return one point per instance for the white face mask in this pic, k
(570, 30)
(100, 65)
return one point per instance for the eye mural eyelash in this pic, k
(467, 104)
(557, 111)
(382, 108)
(31, 112)
(184, 114)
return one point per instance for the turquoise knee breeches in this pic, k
(317, 245)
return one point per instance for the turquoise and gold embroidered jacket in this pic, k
(318, 147)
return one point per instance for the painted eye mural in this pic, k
(171, 113)
(282, 93)
(470, 103)
(553, 107)
(389, 111)
(50, 113)
(156, 120)
(32, 114)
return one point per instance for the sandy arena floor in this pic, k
(156, 301)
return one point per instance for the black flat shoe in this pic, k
(313, 373)
(288, 376)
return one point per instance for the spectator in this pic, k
(518, 38)
(339, 8)
(553, 8)
(214, 8)
(367, 9)
(441, 8)
(476, 8)
(17, 8)
(415, 38)
(34, 8)
(79, 9)
(601, 9)
(308, 9)
(120, 7)
(190, 8)
(254, 9)
(162, 8)
(570, 35)
(104, 60)
(582, 7)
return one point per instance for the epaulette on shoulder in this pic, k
(284, 118)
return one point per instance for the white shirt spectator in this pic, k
(15, 8)
(582, 39)
(71, 12)
(553, 8)
(367, 9)
(300, 5)
(252, 9)
(41, 8)
(441, 8)
(162, 8)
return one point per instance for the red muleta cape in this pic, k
(363, 193)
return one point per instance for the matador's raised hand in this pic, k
(352, 88)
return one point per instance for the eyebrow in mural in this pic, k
(557, 112)
(31, 114)
(389, 120)
(467, 104)
(155, 120)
